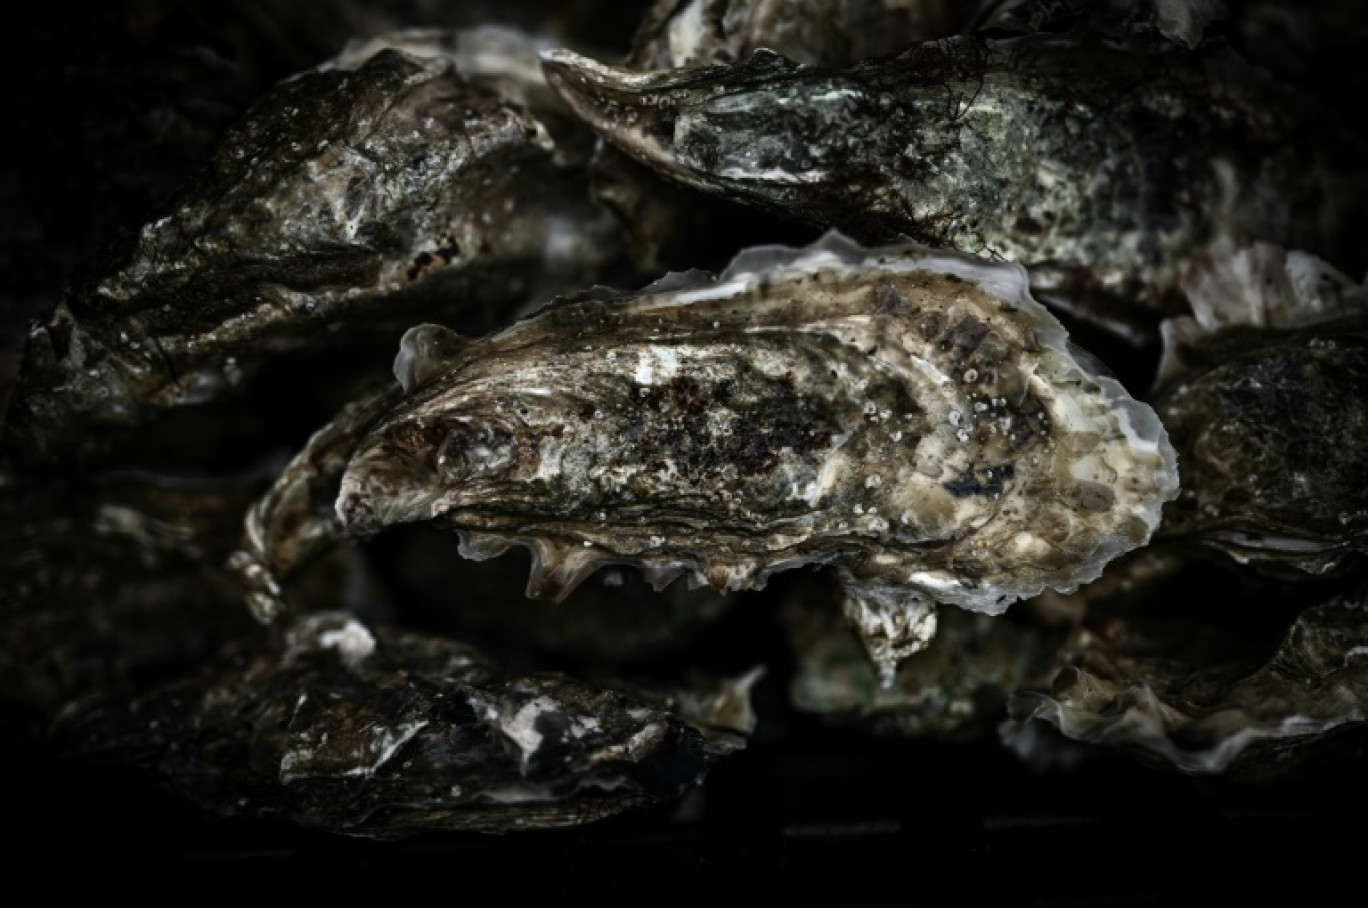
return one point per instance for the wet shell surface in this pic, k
(912, 418)
(1181, 686)
(1103, 171)
(347, 202)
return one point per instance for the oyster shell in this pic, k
(1134, 23)
(1103, 171)
(1209, 684)
(1263, 391)
(670, 225)
(375, 732)
(1260, 286)
(347, 202)
(912, 418)
(501, 59)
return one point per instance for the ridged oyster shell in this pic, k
(1103, 171)
(670, 224)
(911, 417)
(1263, 390)
(1208, 682)
(345, 203)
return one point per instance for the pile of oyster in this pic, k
(410, 466)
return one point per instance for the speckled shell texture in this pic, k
(1103, 171)
(912, 417)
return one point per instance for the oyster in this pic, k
(1263, 391)
(498, 58)
(1217, 683)
(375, 732)
(1104, 171)
(910, 417)
(105, 130)
(345, 204)
(669, 225)
(675, 34)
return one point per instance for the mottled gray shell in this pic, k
(347, 202)
(1103, 171)
(1272, 427)
(911, 417)
(668, 223)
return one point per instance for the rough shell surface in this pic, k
(380, 733)
(501, 59)
(1102, 170)
(666, 222)
(912, 417)
(345, 203)
(1271, 422)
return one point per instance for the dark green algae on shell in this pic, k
(1104, 171)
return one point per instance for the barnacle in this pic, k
(912, 418)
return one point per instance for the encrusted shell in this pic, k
(1264, 391)
(911, 417)
(348, 201)
(1101, 170)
